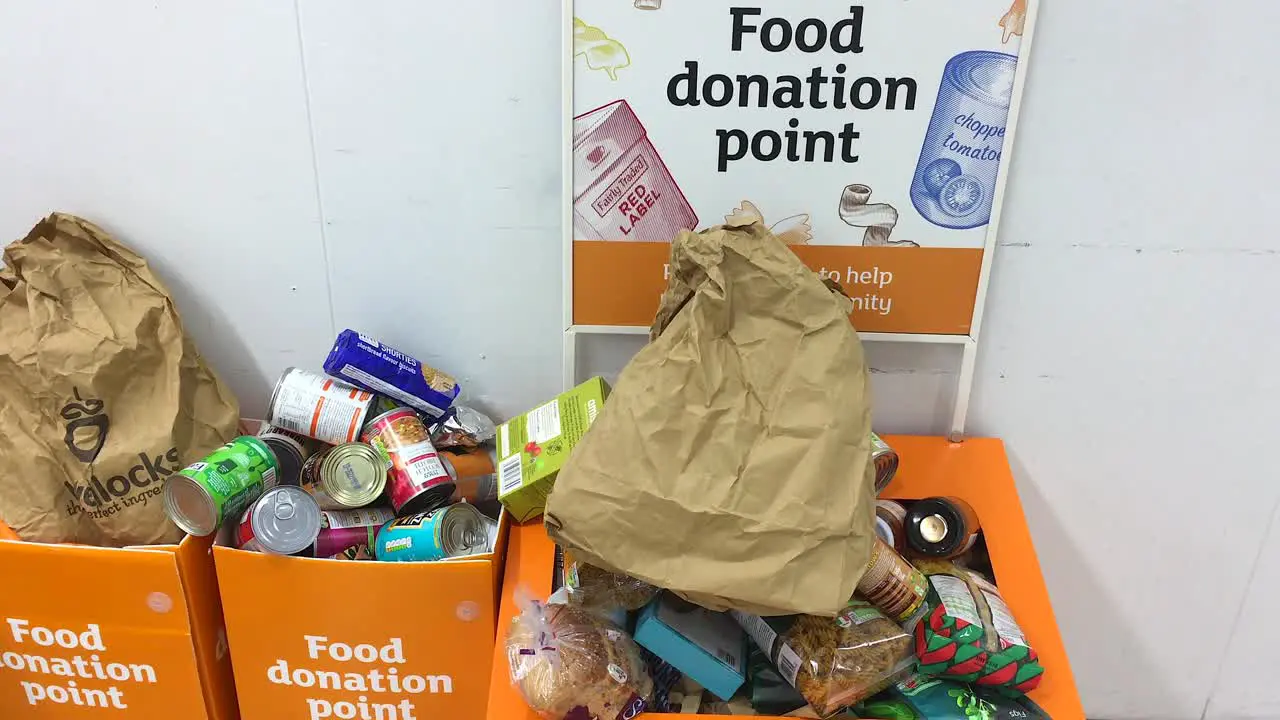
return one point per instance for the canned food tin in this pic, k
(201, 496)
(418, 480)
(344, 529)
(345, 476)
(474, 477)
(885, 459)
(290, 454)
(309, 445)
(284, 521)
(318, 407)
(491, 534)
(891, 517)
(446, 532)
(941, 527)
(892, 584)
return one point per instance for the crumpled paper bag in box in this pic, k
(102, 394)
(732, 462)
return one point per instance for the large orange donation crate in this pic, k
(313, 639)
(976, 470)
(133, 632)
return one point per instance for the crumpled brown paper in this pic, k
(102, 395)
(732, 463)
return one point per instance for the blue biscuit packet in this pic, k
(377, 367)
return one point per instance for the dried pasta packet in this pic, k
(834, 662)
(571, 665)
(598, 589)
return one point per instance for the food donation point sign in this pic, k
(874, 138)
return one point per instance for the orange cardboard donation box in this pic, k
(133, 633)
(976, 470)
(316, 638)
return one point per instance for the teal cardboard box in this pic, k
(707, 646)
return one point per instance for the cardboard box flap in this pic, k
(65, 581)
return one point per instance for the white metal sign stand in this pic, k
(968, 343)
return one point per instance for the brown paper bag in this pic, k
(102, 394)
(732, 463)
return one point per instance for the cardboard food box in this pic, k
(317, 638)
(707, 646)
(129, 633)
(976, 470)
(534, 446)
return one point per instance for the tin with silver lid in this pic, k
(446, 532)
(284, 521)
(345, 476)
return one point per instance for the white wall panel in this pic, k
(437, 132)
(182, 128)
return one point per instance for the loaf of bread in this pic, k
(566, 661)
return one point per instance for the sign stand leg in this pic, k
(570, 364)
(964, 386)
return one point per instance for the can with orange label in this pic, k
(474, 475)
(318, 407)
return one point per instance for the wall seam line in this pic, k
(315, 168)
(1244, 600)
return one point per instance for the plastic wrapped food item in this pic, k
(969, 634)
(834, 662)
(571, 665)
(463, 427)
(596, 589)
(921, 698)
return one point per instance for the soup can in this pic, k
(350, 475)
(941, 527)
(474, 475)
(203, 495)
(955, 179)
(284, 521)
(892, 584)
(318, 407)
(290, 455)
(891, 518)
(885, 459)
(341, 530)
(445, 532)
(417, 479)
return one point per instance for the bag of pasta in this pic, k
(834, 662)
(594, 588)
(571, 665)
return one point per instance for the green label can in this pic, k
(200, 497)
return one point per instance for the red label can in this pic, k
(416, 478)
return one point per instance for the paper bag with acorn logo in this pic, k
(102, 394)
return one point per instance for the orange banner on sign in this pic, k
(894, 289)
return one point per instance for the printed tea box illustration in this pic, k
(621, 187)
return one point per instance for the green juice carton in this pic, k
(534, 446)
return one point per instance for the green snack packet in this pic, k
(921, 698)
(770, 693)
